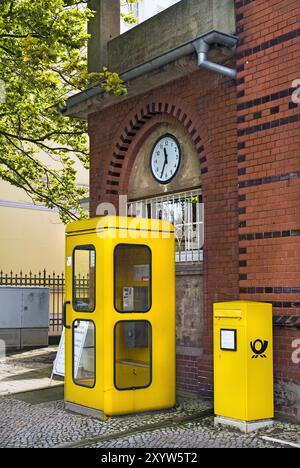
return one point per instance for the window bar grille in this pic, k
(184, 209)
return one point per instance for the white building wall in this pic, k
(147, 9)
(150, 8)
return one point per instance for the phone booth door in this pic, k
(81, 320)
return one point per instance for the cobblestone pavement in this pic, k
(27, 370)
(197, 434)
(38, 419)
(33, 420)
(24, 424)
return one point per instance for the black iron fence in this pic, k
(55, 282)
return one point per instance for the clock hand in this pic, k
(166, 156)
(165, 163)
(163, 170)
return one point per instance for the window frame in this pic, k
(235, 349)
(190, 247)
(115, 356)
(78, 248)
(115, 279)
(73, 355)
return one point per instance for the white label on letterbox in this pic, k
(228, 340)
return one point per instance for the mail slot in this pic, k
(243, 361)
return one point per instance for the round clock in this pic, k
(165, 159)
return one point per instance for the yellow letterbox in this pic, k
(119, 316)
(243, 361)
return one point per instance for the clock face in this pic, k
(165, 159)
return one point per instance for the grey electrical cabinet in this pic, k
(24, 317)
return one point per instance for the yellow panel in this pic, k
(114, 222)
(260, 366)
(106, 234)
(230, 399)
(244, 374)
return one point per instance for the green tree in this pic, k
(42, 61)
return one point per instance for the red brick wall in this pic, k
(269, 169)
(205, 106)
(248, 139)
(194, 375)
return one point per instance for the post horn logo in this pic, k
(259, 348)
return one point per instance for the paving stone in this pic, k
(48, 425)
(27, 370)
(201, 434)
(35, 420)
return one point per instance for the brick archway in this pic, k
(210, 123)
(138, 124)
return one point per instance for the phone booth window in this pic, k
(84, 352)
(132, 278)
(133, 355)
(84, 278)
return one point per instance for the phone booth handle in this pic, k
(65, 314)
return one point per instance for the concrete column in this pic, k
(104, 26)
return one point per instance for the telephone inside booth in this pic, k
(133, 355)
(133, 278)
(119, 317)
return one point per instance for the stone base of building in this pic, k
(243, 426)
(287, 401)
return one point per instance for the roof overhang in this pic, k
(160, 70)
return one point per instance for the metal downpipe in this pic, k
(202, 49)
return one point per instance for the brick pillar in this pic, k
(269, 176)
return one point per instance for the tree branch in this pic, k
(8, 51)
(37, 163)
(43, 138)
(11, 7)
(62, 76)
(21, 36)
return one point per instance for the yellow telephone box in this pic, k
(243, 361)
(119, 316)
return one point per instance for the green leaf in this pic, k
(43, 61)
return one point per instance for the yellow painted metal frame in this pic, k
(106, 234)
(243, 379)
